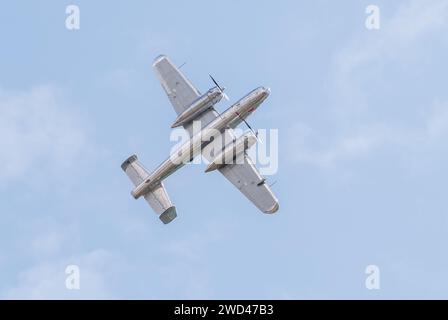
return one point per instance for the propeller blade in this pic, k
(216, 83)
(221, 89)
(258, 139)
(247, 124)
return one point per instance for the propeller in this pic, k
(221, 89)
(250, 128)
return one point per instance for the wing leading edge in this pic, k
(245, 176)
(180, 90)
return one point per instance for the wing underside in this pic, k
(246, 178)
(244, 175)
(180, 90)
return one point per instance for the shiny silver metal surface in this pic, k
(197, 115)
(231, 151)
(204, 102)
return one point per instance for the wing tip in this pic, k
(274, 208)
(128, 161)
(159, 58)
(168, 215)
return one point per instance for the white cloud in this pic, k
(47, 243)
(38, 132)
(120, 79)
(437, 122)
(188, 271)
(46, 280)
(363, 140)
(359, 74)
(396, 39)
(400, 41)
(327, 154)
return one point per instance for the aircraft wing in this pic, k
(245, 177)
(180, 90)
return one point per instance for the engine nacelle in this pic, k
(231, 151)
(207, 100)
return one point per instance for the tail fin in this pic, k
(157, 197)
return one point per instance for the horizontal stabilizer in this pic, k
(157, 197)
(134, 170)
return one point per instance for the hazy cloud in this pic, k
(360, 76)
(46, 280)
(38, 130)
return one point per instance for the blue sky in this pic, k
(363, 123)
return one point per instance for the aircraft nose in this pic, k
(266, 91)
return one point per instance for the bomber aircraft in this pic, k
(211, 136)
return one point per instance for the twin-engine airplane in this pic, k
(192, 108)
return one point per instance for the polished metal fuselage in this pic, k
(186, 152)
